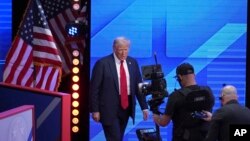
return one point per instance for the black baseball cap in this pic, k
(184, 69)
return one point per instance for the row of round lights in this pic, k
(75, 91)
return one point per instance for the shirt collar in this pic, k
(118, 61)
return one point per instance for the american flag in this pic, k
(59, 13)
(33, 59)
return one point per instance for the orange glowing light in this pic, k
(75, 95)
(75, 87)
(75, 129)
(75, 104)
(75, 112)
(75, 120)
(75, 70)
(75, 61)
(75, 78)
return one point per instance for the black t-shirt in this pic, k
(181, 118)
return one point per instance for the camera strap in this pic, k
(185, 91)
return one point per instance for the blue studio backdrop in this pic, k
(209, 34)
(5, 31)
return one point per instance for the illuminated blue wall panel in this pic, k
(5, 31)
(209, 34)
(128, 21)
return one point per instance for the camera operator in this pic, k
(185, 126)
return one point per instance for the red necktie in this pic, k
(123, 87)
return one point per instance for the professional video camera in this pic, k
(157, 86)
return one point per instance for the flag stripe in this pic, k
(65, 68)
(27, 77)
(47, 49)
(45, 43)
(59, 38)
(40, 74)
(47, 77)
(42, 31)
(52, 77)
(29, 82)
(44, 60)
(48, 53)
(22, 51)
(25, 56)
(44, 79)
(10, 56)
(26, 72)
(65, 55)
(59, 35)
(55, 77)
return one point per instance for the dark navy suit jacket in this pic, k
(104, 88)
(230, 113)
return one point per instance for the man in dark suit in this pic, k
(114, 86)
(231, 113)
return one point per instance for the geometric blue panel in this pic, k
(5, 31)
(138, 29)
(5, 27)
(192, 23)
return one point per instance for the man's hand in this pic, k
(156, 118)
(209, 116)
(145, 114)
(96, 116)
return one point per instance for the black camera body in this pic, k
(156, 87)
(158, 84)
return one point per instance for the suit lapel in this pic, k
(113, 71)
(130, 70)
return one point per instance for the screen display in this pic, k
(211, 35)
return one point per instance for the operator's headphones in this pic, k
(177, 77)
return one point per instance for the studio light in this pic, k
(75, 95)
(75, 104)
(75, 61)
(75, 129)
(75, 70)
(75, 78)
(75, 120)
(75, 112)
(76, 5)
(75, 28)
(75, 91)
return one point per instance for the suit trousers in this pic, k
(116, 130)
